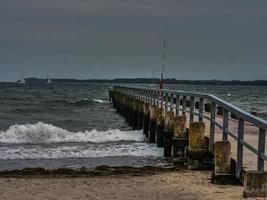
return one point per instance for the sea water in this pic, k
(74, 125)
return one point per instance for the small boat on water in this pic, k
(22, 80)
(48, 80)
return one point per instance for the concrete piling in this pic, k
(146, 119)
(134, 116)
(255, 184)
(168, 134)
(222, 157)
(124, 107)
(197, 139)
(222, 164)
(140, 115)
(129, 111)
(160, 131)
(180, 139)
(197, 153)
(152, 124)
(179, 127)
(169, 120)
(159, 125)
(167, 142)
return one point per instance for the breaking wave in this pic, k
(100, 101)
(82, 102)
(47, 133)
(80, 151)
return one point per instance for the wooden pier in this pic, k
(200, 131)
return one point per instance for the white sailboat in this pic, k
(22, 80)
(48, 80)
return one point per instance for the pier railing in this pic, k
(206, 106)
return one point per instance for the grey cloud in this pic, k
(123, 38)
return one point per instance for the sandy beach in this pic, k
(182, 185)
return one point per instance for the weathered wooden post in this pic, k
(198, 153)
(180, 139)
(222, 164)
(146, 119)
(168, 134)
(255, 184)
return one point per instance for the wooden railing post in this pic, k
(240, 138)
(212, 125)
(201, 109)
(184, 105)
(261, 150)
(225, 124)
(192, 108)
(161, 99)
(166, 99)
(177, 104)
(158, 95)
(171, 102)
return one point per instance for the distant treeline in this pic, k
(149, 81)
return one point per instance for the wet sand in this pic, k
(182, 185)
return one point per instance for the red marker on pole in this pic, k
(161, 82)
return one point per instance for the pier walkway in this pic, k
(223, 122)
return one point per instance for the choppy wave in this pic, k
(81, 102)
(47, 133)
(100, 101)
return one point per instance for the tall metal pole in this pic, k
(163, 64)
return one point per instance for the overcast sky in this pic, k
(206, 39)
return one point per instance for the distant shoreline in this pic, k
(148, 81)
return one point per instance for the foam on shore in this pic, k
(48, 133)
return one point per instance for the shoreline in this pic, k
(156, 185)
(103, 170)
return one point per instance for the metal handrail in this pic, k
(152, 95)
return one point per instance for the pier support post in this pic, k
(168, 134)
(255, 184)
(120, 103)
(167, 142)
(169, 120)
(152, 124)
(140, 115)
(159, 126)
(180, 139)
(222, 161)
(198, 154)
(125, 108)
(146, 119)
(129, 111)
(116, 101)
(134, 117)
(160, 131)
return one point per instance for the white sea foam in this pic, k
(47, 133)
(80, 151)
(100, 101)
